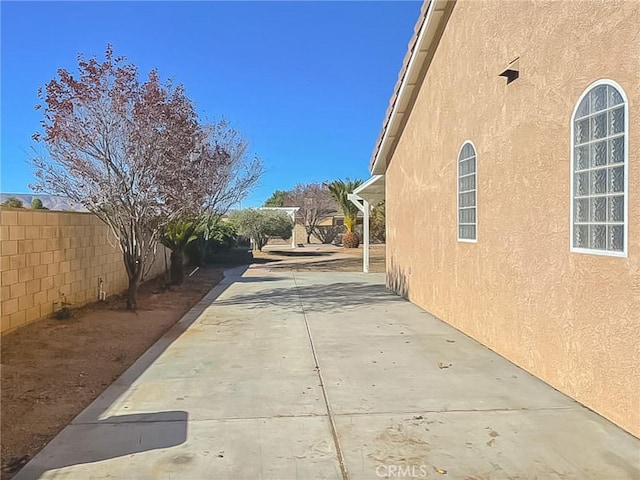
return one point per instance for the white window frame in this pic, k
(475, 191)
(625, 228)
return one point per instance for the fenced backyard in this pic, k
(51, 258)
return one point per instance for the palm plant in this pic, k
(204, 232)
(339, 190)
(176, 236)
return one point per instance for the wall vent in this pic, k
(512, 72)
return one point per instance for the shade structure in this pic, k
(365, 197)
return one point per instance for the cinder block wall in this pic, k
(47, 257)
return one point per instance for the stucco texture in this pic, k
(571, 319)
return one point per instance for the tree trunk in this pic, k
(203, 254)
(134, 270)
(202, 250)
(260, 242)
(308, 237)
(132, 294)
(177, 267)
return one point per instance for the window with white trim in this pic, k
(599, 171)
(467, 190)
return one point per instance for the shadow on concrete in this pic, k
(318, 266)
(261, 261)
(351, 264)
(236, 256)
(316, 297)
(260, 279)
(116, 436)
(112, 437)
(297, 253)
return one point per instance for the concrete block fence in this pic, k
(47, 257)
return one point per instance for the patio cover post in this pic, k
(366, 234)
(293, 232)
(365, 197)
(365, 209)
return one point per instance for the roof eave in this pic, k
(427, 33)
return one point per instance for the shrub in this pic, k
(13, 202)
(328, 233)
(261, 225)
(220, 237)
(377, 227)
(36, 204)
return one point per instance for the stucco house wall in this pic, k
(569, 318)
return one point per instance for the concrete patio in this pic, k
(283, 375)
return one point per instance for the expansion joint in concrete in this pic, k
(216, 419)
(459, 410)
(334, 431)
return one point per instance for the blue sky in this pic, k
(307, 83)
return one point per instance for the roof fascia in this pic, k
(427, 34)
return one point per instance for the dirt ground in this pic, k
(52, 369)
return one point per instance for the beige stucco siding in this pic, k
(571, 319)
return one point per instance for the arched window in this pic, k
(467, 194)
(599, 171)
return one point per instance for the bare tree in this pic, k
(226, 175)
(230, 173)
(316, 204)
(125, 150)
(328, 233)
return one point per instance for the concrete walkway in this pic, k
(281, 375)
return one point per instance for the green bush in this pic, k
(377, 226)
(261, 225)
(36, 204)
(13, 202)
(224, 237)
(219, 238)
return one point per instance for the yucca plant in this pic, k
(339, 189)
(176, 236)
